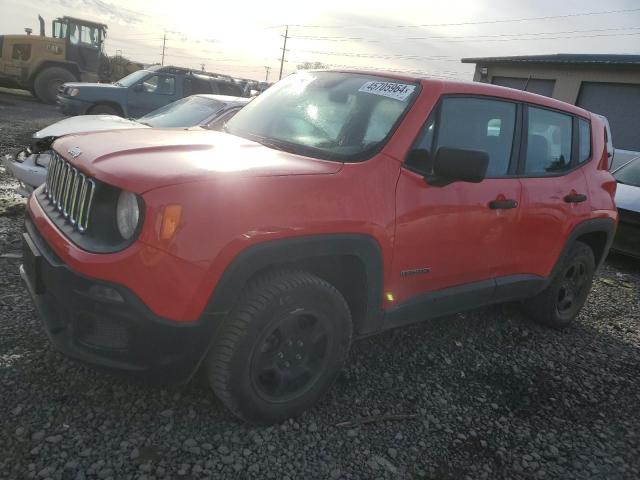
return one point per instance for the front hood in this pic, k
(143, 159)
(86, 123)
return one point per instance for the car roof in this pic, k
(476, 88)
(228, 99)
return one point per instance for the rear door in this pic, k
(554, 197)
(461, 233)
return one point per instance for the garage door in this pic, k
(533, 85)
(620, 103)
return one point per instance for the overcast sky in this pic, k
(242, 37)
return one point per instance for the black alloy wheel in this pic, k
(291, 357)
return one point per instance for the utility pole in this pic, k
(164, 43)
(268, 69)
(284, 50)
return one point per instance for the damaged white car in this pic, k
(29, 166)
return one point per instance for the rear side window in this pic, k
(197, 85)
(228, 88)
(548, 142)
(479, 124)
(584, 140)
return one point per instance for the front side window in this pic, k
(329, 115)
(74, 35)
(159, 84)
(89, 36)
(470, 124)
(59, 30)
(548, 142)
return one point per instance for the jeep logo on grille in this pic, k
(75, 152)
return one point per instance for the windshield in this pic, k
(629, 174)
(329, 115)
(188, 112)
(133, 78)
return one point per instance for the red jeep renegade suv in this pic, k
(334, 206)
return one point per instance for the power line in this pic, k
(453, 37)
(483, 22)
(537, 38)
(386, 57)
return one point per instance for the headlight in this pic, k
(127, 214)
(73, 92)
(21, 156)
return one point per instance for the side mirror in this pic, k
(458, 165)
(138, 87)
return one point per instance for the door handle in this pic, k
(502, 204)
(575, 198)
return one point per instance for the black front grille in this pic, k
(70, 192)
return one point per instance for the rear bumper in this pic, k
(105, 324)
(72, 106)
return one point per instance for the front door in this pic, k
(155, 91)
(84, 46)
(460, 234)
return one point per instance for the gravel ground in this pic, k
(485, 394)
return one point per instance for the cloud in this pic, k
(104, 10)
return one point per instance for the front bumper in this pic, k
(105, 324)
(28, 172)
(72, 106)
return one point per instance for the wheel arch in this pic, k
(350, 262)
(109, 103)
(597, 234)
(69, 66)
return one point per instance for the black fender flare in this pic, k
(594, 225)
(262, 256)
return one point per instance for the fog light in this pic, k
(105, 294)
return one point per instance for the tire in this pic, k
(559, 304)
(48, 81)
(280, 348)
(104, 109)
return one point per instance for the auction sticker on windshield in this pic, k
(398, 91)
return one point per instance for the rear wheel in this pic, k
(48, 81)
(559, 304)
(281, 347)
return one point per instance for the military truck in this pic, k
(41, 64)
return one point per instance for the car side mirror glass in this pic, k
(458, 165)
(138, 87)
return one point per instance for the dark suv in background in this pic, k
(142, 91)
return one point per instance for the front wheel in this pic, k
(281, 347)
(559, 304)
